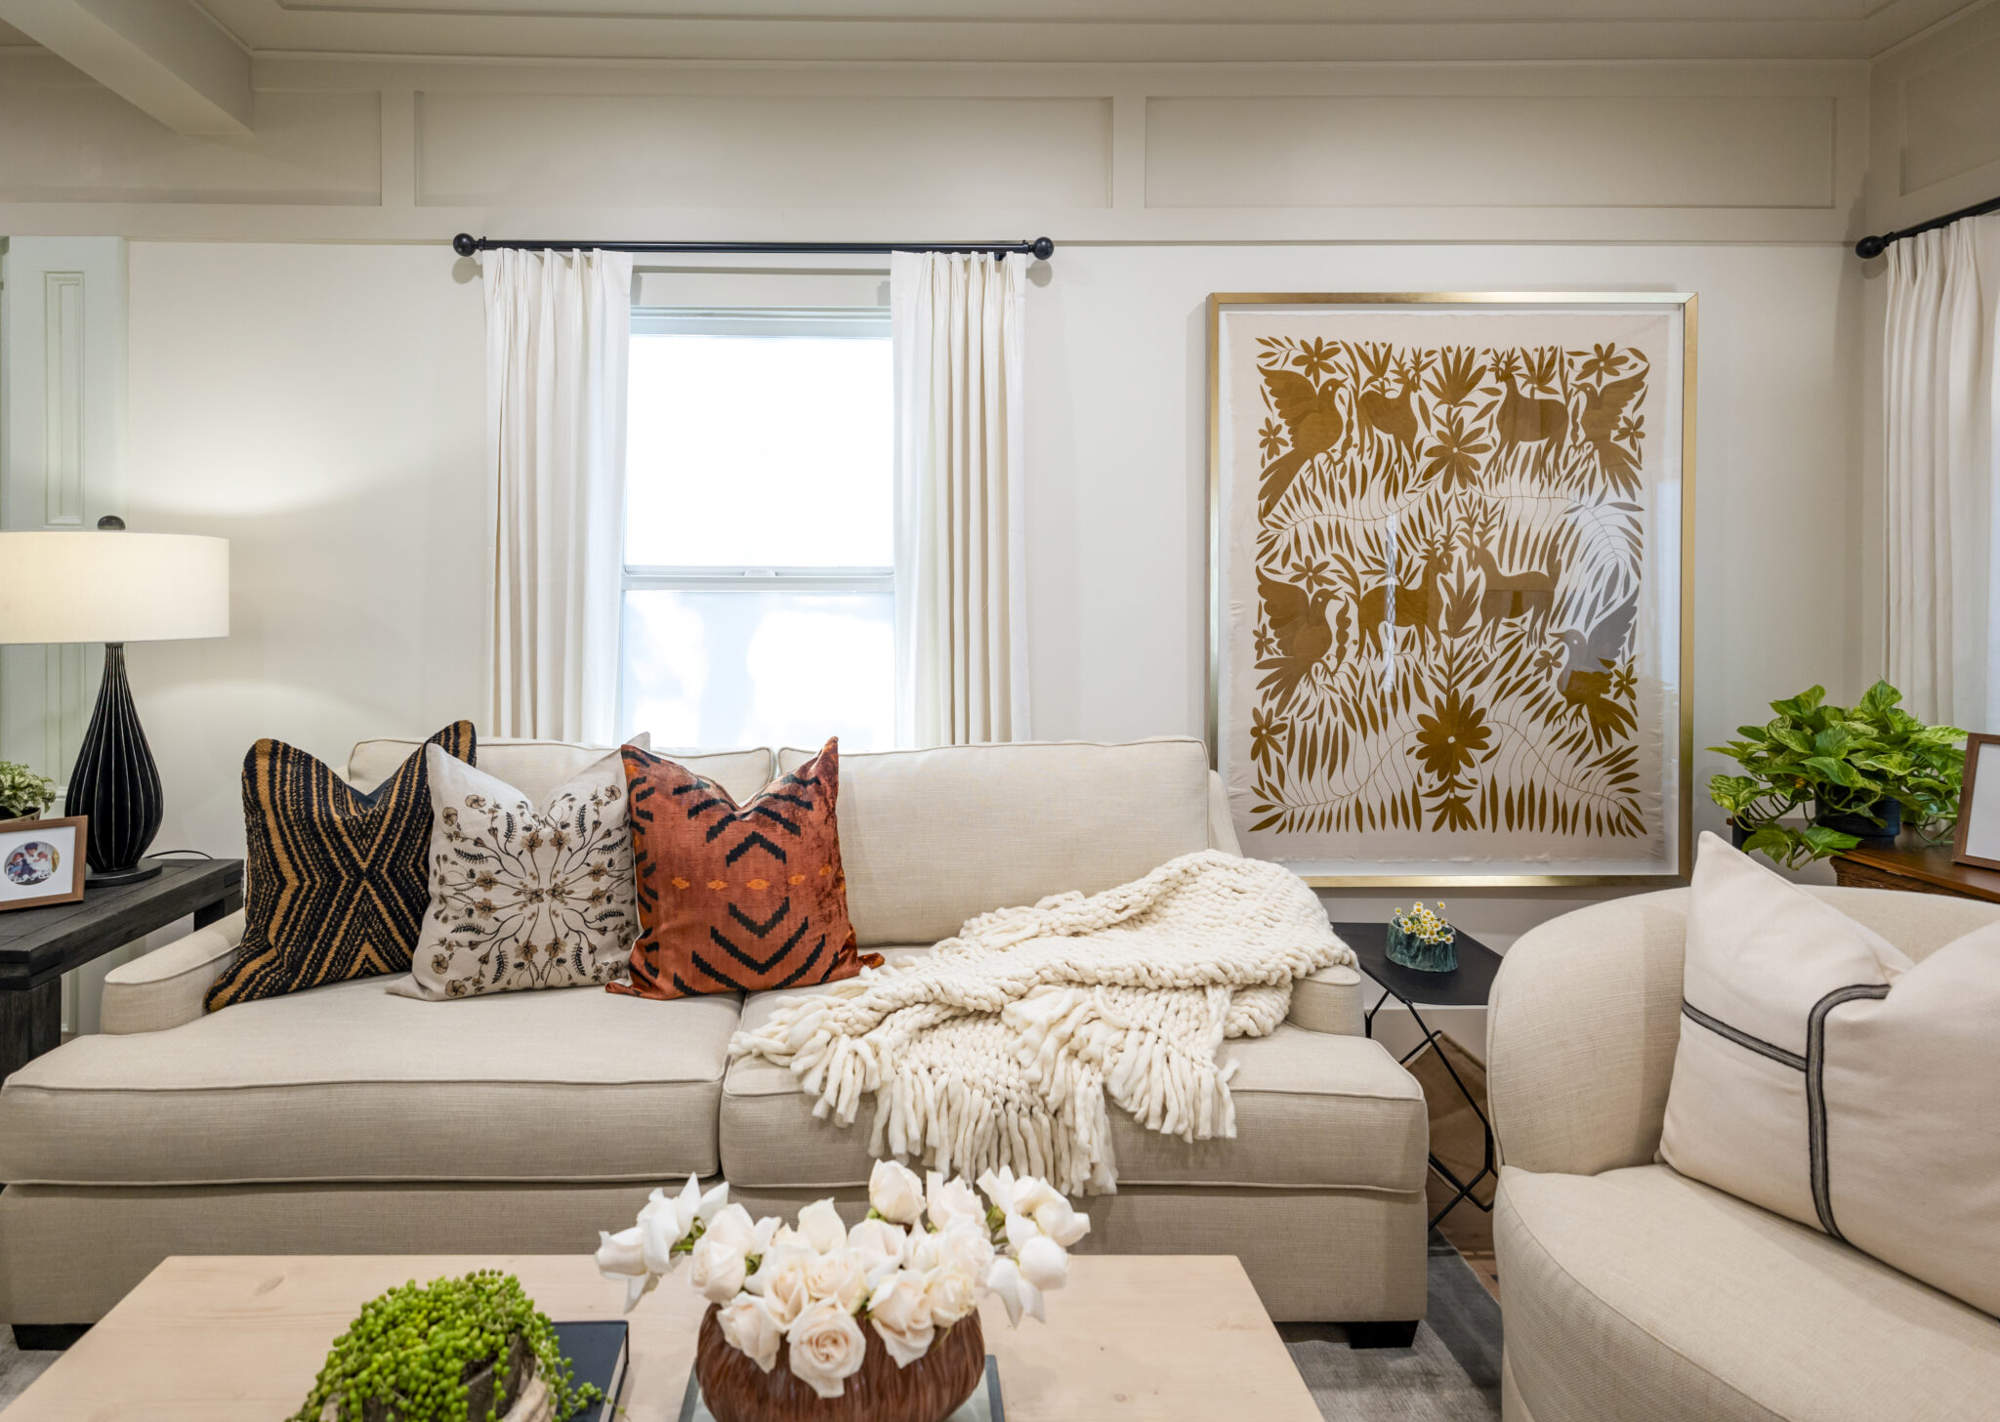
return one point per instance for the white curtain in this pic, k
(557, 327)
(1942, 471)
(961, 576)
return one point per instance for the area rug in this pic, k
(1451, 1375)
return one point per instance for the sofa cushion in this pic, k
(335, 881)
(736, 897)
(1312, 1110)
(1691, 1304)
(1823, 1075)
(536, 768)
(351, 1083)
(524, 895)
(932, 837)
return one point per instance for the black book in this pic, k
(596, 1353)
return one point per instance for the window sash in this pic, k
(754, 579)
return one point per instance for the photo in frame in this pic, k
(1978, 835)
(1449, 551)
(41, 861)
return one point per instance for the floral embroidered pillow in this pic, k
(524, 896)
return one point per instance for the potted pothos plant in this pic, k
(1860, 773)
(24, 794)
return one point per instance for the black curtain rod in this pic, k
(1875, 246)
(465, 244)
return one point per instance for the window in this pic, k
(759, 594)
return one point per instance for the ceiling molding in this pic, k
(169, 58)
(1091, 31)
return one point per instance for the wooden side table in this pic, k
(39, 945)
(1921, 871)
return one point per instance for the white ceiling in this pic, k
(1088, 30)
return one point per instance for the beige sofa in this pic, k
(1632, 1292)
(349, 1120)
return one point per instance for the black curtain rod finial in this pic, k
(465, 244)
(1043, 249)
(1875, 246)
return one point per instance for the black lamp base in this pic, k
(95, 880)
(116, 782)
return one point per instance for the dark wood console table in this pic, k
(39, 945)
(1921, 871)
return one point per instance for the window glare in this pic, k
(760, 451)
(773, 668)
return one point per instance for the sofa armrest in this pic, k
(1328, 1001)
(164, 988)
(1581, 1032)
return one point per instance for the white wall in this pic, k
(305, 367)
(321, 406)
(323, 409)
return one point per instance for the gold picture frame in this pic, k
(1672, 347)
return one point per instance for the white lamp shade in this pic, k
(112, 587)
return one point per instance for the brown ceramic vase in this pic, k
(929, 1390)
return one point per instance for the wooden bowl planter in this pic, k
(929, 1390)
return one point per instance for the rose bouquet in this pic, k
(928, 1251)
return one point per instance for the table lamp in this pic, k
(114, 587)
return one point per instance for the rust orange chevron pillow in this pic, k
(736, 897)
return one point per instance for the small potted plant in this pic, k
(1859, 773)
(471, 1349)
(24, 794)
(1420, 938)
(817, 1322)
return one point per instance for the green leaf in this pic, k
(1804, 704)
(1822, 841)
(1879, 698)
(1771, 841)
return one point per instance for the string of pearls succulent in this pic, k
(1423, 924)
(412, 1349)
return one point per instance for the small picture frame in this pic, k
(41, 862)
(1979, 804)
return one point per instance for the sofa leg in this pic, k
(46, 1337)
(1382, 1335)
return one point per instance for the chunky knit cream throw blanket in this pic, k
(1000, 1046)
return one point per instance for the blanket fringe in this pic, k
(1006, 1044)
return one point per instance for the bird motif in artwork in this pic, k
(1602, 410)
(1312, 418)
(1300, 635)
(1591, 669)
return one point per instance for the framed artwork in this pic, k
(41, 861)
(1449, 546)
(1979, 804)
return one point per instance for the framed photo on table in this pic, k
(1979, 804)
(41, 861)
(1449, 558)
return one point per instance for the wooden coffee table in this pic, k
(1153, 1338)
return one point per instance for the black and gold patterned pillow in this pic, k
(336, 882)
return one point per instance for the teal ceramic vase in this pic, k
(1413, 952)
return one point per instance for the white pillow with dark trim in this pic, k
(1824, 1076)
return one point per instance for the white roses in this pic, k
(827, 1347)
(812, 1286)
(895, 1193)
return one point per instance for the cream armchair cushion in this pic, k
(1825, 1076)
